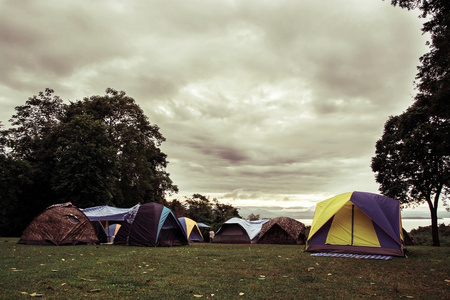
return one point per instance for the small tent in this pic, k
(191, 229)
(239, 231)
(60, 224)
(151, 224)
(282, 230)
(357, 223)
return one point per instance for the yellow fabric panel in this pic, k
(189, 225)
(326, 209)
(341, 228)
(363, 231)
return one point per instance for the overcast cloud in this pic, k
(261, 102)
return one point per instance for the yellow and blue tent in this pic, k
(357, 223)
(191, 229)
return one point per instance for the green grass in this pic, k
(216, 271)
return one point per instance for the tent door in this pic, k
(352, 227)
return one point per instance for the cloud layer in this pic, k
(261, 102)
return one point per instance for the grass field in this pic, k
(216, 271)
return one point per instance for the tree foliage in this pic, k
(433, 74)
(99, 150)
(412, 157)
(85, 169)
(201, 209)
(412, 161)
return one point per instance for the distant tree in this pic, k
(253, 217)
(199, 209)
(177, 207)
(222, 213)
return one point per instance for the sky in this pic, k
(262, 103)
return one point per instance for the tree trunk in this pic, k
(434, 227)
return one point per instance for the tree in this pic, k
(139, 161)
(101, 150)
(28, 147)
(412, 161)
(85, 170)
(412, 157)
(14, 186)
(434, 73)
(253, 217)
(177, 207)
(33, 125)
(199, 209)
(222, 213)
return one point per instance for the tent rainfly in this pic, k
(357, 223)
(191, 229)
(239, 231)
(151, 224)
(60, 224)
(282, 230)
(106, 213)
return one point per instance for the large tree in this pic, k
(139, 161)
(412, 161)
(412, 157)
(85, 169)
(99, 150)
(433, 77)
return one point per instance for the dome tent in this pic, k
(357, 223)
(151, 224)
(282, 230)
(60, 224)
(191, 230)
(239, 231)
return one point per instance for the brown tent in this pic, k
(282, 230)
(60, 224)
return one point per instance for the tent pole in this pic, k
(353, 221)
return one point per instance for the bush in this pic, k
(422, 235)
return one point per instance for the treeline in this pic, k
(96, 151)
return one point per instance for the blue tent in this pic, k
(240, 231)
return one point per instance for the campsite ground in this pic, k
(216, 271)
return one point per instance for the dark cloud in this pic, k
(260, 101)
